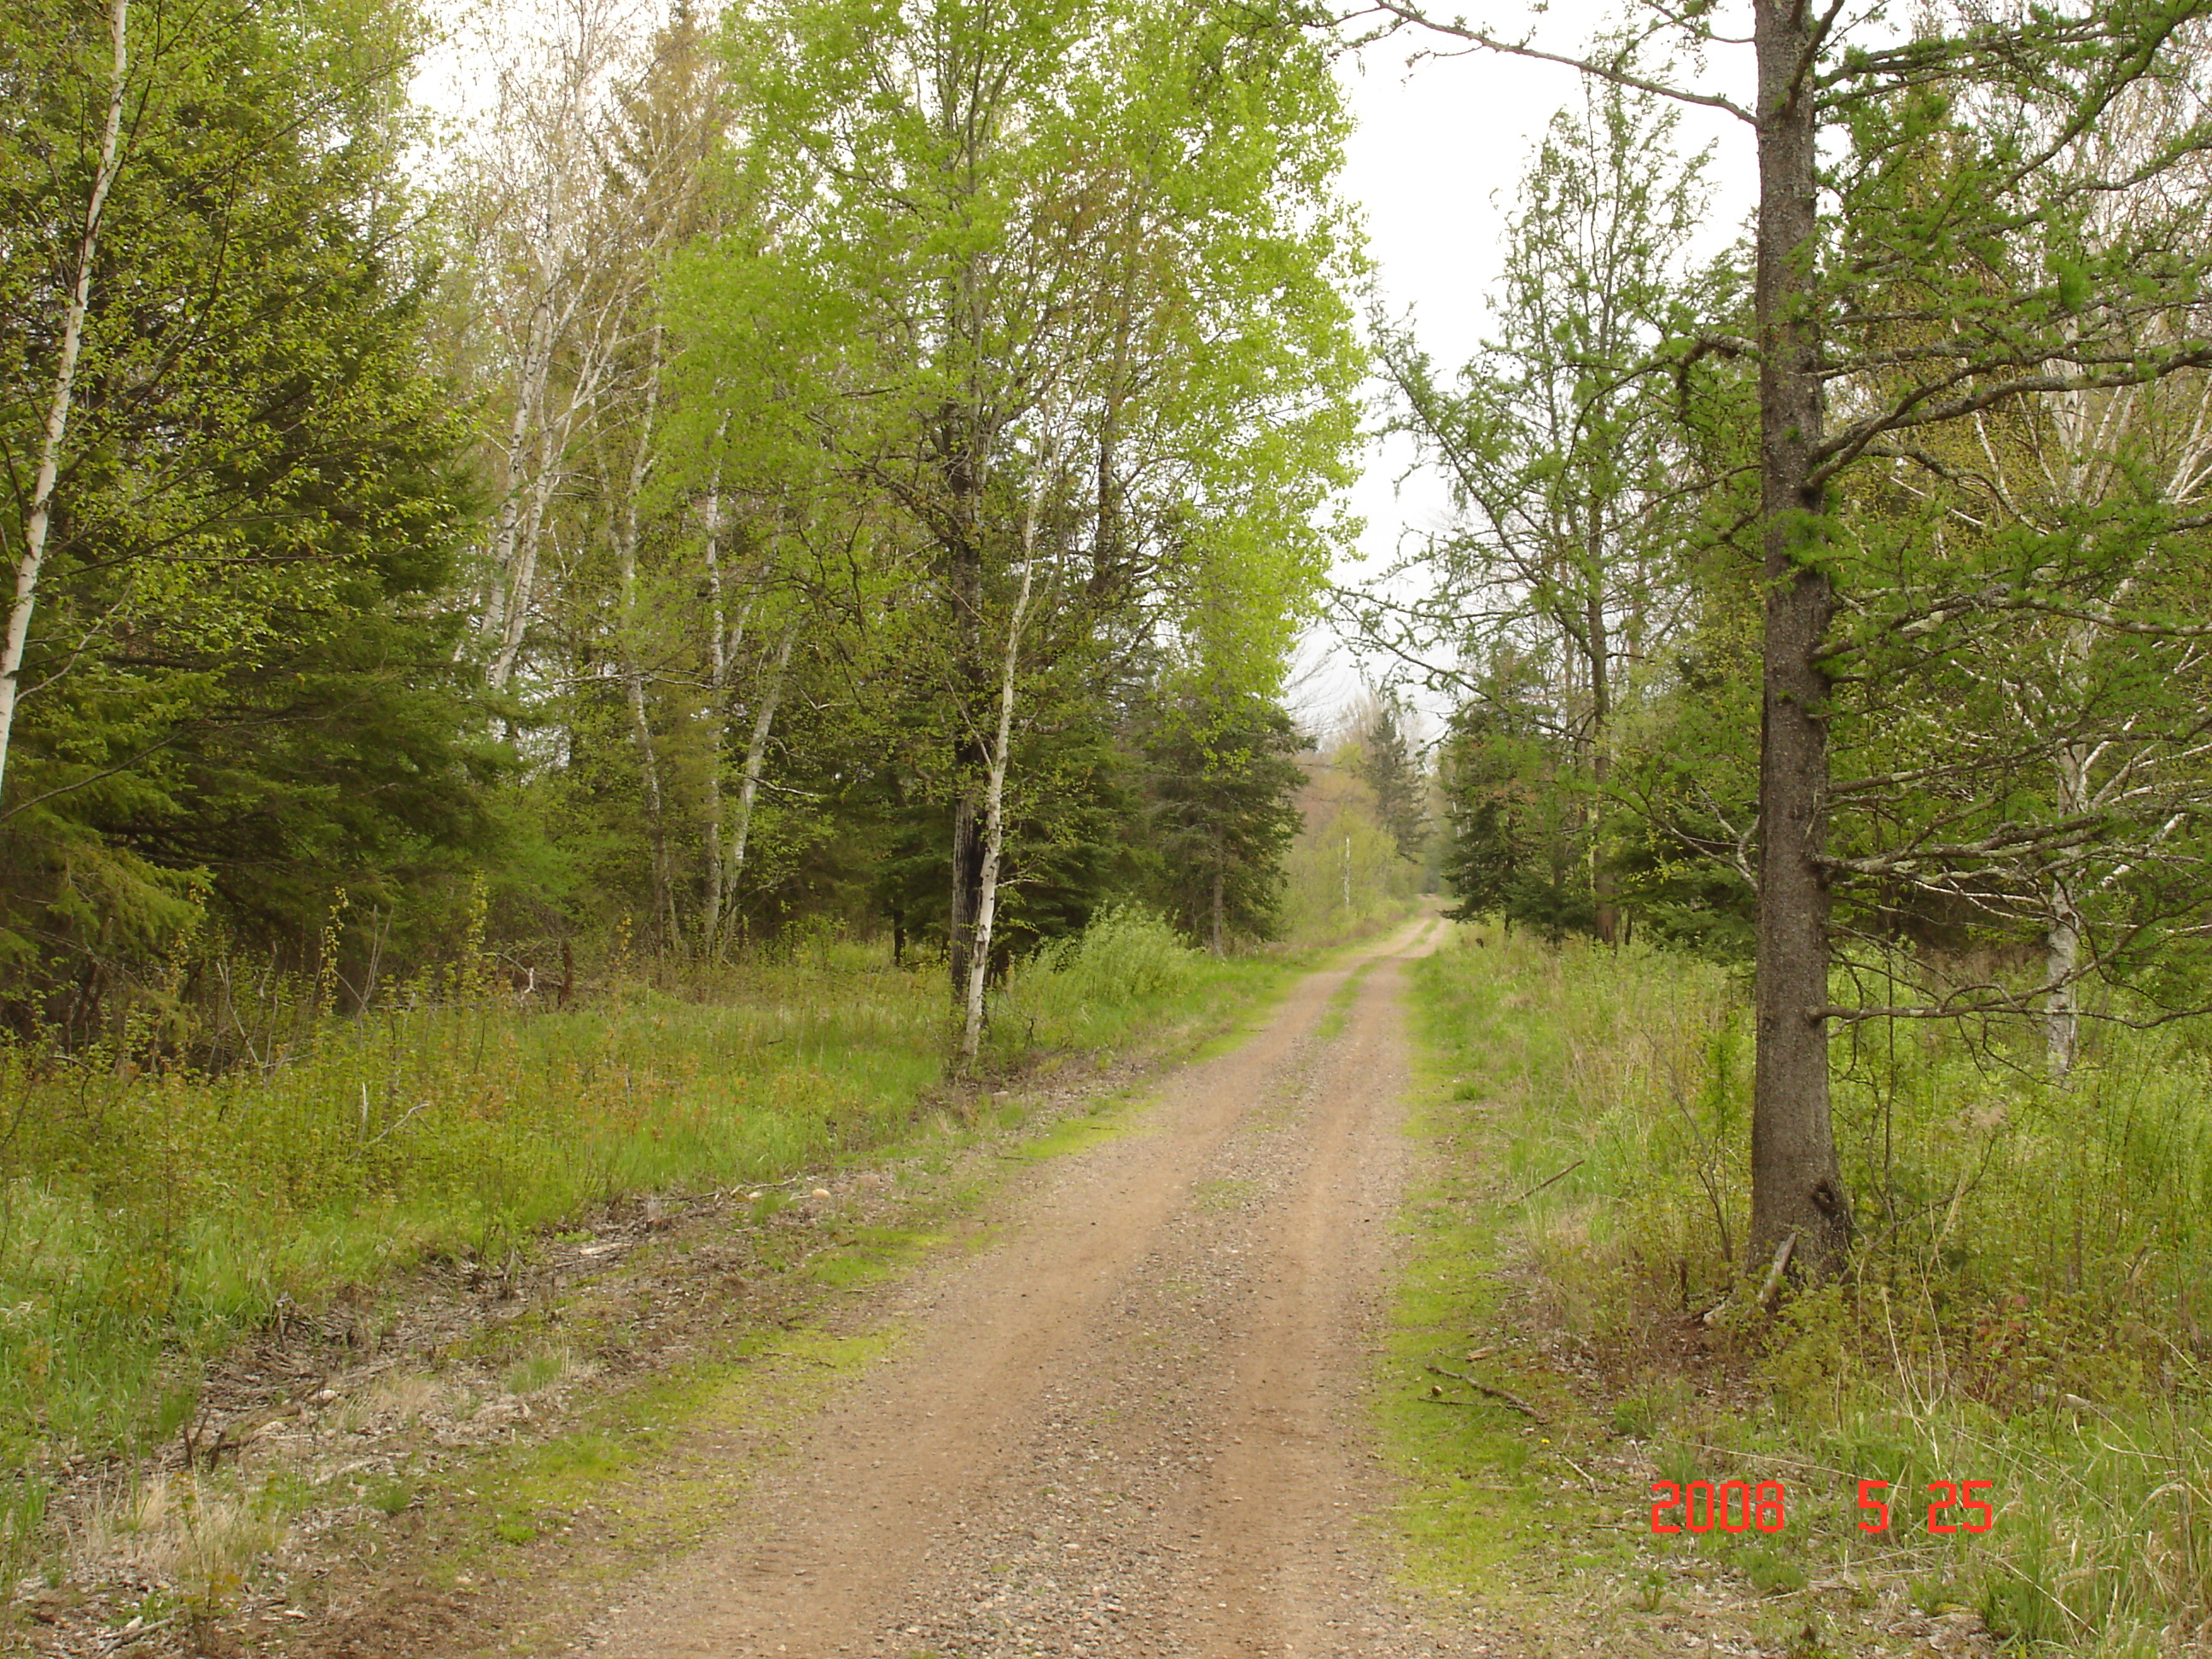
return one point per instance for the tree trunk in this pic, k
(1600, 762)
(1797, 1185)
(2062, 1010)
(590, 359)
(719, 644)
(1220, 942)
(39, 521)
(967, 874)
(521, 584)
(756, 762)
(649, 759)
(963, 574)
(994, 837)
(507, 526)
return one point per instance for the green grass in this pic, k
(149, 1220)
(1332, 1018)
(1492, 1499)
(2023, 1307)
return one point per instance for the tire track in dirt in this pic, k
(1130, 1426)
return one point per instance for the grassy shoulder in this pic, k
(155, 1223)
(1582, 1117)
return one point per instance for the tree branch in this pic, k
(1460, 30)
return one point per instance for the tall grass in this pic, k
(2023, 1307)
(149, 1217)
(1103, 986)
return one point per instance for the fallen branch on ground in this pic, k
(1499, 1394)
(1769, 1289)
(1540, 1185)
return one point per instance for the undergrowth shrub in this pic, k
(2025, 1303)
(1095, 987)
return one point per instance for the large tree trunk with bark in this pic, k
(1797, 1184)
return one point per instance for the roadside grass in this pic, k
(618, 1476)
(150, 1219)
(2023, 1309)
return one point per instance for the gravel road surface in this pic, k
(1130, 1424)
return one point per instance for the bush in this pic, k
(1097, 986)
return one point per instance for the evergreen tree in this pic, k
(1387, 765)
(1222, 781)
(236, 668)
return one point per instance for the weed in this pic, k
(201, 1536)
(1222, 1196)
(1642, 1412)
(540, 1371)
(1770, 1573)
(1933, 1596)
(514, 1529)
(390, 1495)
(1682, 1463)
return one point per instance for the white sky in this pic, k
(1435, 165)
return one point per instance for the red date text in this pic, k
(1732, 1506)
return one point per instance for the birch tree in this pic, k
(76, 278)
(574, 183)
(974, 187)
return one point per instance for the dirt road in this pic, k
(1132, 1425)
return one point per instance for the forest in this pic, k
(707, 537)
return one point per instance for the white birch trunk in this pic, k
(719, 643)
(38, 523)
(507, 526)
(522, 579)
(756, 762)
(2062, 1016)
(2062, 1011)
(994, 791)
(2091, 432)
(649, 759)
